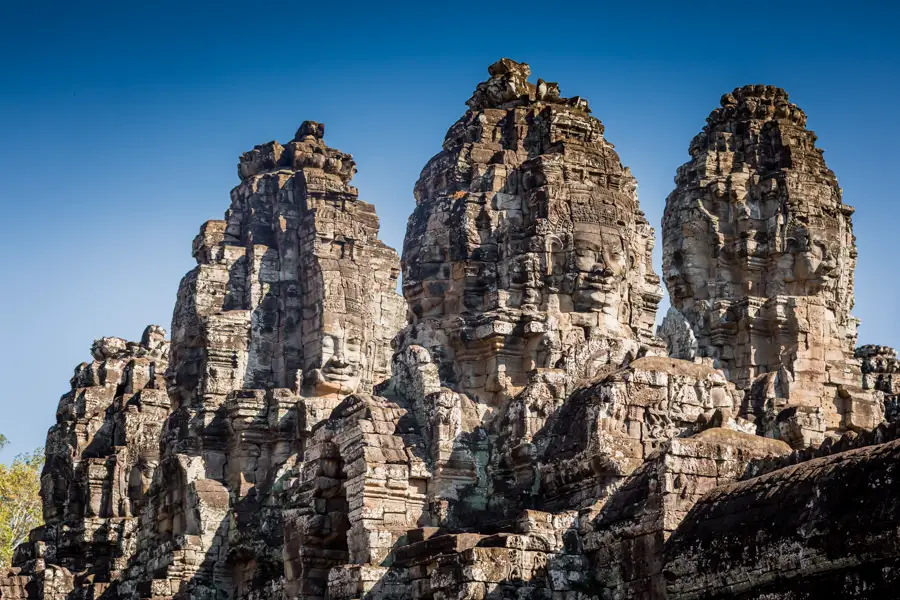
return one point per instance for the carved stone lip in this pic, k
(338, 374)
(603, 286)
(336, 377)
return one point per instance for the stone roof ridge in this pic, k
(850, 440)
(508, 86)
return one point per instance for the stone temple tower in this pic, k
(292, 307)
(758, 257)
(297, 277)
(527, 248)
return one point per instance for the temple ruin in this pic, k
(511, 426)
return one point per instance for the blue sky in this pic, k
(122, 124)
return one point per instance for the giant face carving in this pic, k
(676, 282)
(814, 262)
(599, 264)
(342, 360)
(686, 257)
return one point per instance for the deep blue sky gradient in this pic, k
(122, 123)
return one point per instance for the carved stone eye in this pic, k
(585, 261)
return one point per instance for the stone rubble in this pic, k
(510, 427)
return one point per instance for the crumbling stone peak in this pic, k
(758, 258)
(522, 434)
(101, 457)
(881, 373)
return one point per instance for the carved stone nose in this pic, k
(601, 270)
(338, 359)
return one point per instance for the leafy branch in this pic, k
(20, 501)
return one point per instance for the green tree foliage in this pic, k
(20, 501)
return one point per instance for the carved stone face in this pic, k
(686, 260)
(814, 263)
(342, 360)
(677, 284)
(528, 275)
(599, 263)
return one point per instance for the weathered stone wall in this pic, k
(362, 486)
(605, 431)
(627, 537)
(824, 528)
(613, 550)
